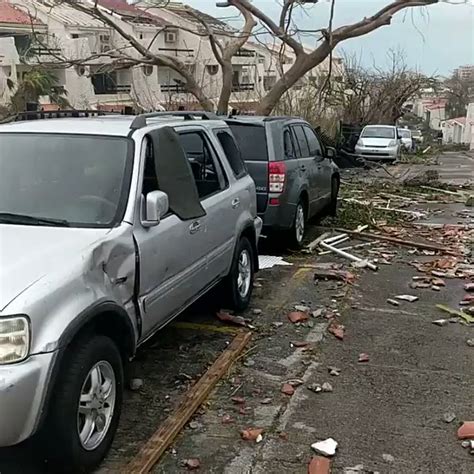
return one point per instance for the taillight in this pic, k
(276, 176)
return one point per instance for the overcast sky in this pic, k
(436, 39)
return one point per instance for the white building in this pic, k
(83, 54)
(453, 130)
(469, 126)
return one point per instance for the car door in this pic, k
(308, 167)
(171, 255)
(323, 169)
(218, 199)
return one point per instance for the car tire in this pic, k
(239, 282)
(332, 208)
(90, 361)
(298, 228)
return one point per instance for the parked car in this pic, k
(295, 176)
(110, 227)
(379, 142)
(406, 139)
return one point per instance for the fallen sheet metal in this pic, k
(269, 261)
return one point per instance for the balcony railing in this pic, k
(44, 51)
(177, 51)
(243, 86)
(176, 88)
(245, 53)
(118, 89)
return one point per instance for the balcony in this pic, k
(245, 53)
(177, 52)
(243, 86)
(173, 88)
(42, 51)
(114, 89)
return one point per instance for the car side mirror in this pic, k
(331, 152)
(156, 206)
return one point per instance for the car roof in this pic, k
(381, 126)
(261, 119)
(108, 125)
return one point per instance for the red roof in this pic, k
(13, 15)
(121, 7)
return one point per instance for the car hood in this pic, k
(376, 141)
(28, 253)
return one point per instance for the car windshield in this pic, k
(416, 133)
(378, 132)
(404, 133)
(71, 180)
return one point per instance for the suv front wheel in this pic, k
(86, 404)
(239, 283)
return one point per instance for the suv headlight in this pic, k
(14, 339)
(392, 143)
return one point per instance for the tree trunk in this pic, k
(226, 90)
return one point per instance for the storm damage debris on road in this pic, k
(409, 298)
(337, 330)
(252, 434)
(319, 465)
(327, 447)
(298, 317)
(466, 430)
(227, 317)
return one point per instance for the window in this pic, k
(313, 142)
(233, 153)
(301, 140)
(150, 180)
(289, 145)
(252, 141)
(203, 165)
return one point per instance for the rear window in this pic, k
(252, 141)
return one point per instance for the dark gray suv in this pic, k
(295, 176)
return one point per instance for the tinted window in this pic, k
(252, 141)
(313, 142)
(378, 132)
(289, 145)
(301, 140)
(202, 163)
(233, 153)
(80, 179)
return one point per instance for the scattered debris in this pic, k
(277, 324)
(225, 316)
(238, 400)
(266, 401)
(298, 317)
(449, 417)
(249, 363)
(470, 201)
(328, 274)
(288, 389)
(299, 344)
(470, 342)
(469, 286)
(136, 384)
(326, 448)
(335, 371)
(195, 425)
(319, 465)
(256, 311)
(388, 458)
(337, 330)
(441, 322)
(438, 282)
(318, 312)
(393, 302)
(269, 261)
(436, 288)
(466, 430)
(252, 434)
(192, 464)
(302, 308)
(363, 357)
(295, 382)
(227, 419)
(327, 387)
(461, 314)
(347, 255)
(283, 435)
(354, 469)
(409, 298)
(311, 246)
(315, 387)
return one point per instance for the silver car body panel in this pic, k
(58, 275)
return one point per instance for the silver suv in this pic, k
(109, 228)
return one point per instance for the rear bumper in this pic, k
(278, 217)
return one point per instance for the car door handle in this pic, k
(195, 227)
(235, 203)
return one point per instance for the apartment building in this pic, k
(99, 69)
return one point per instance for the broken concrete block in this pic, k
(388, 458)
(466, 430)
(319, 465)
(326, 448)
(409, 298)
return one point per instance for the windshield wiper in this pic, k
(11, 218)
